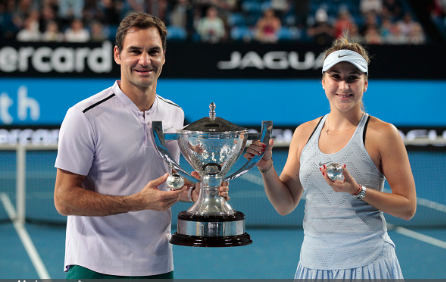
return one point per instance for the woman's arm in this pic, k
(283, 192)
(402, 202)
(387, 151)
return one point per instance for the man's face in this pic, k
(142, 57)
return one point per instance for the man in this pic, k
(110, 178)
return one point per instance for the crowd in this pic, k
(213, 21)
(376, 22)
(438, 14)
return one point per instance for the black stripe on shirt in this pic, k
(98, 103)
(365, 129)
(168, 102)
(314, 129)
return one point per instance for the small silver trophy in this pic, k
(335, 171)
(211, 146)
(175, 181)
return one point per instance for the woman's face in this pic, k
(344, 85)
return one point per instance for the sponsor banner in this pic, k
(57, 60)
(415, 138)
(29, 135)
(194, 60)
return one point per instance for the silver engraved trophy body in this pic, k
(211, 146)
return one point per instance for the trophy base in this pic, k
(211, 231)
(200, 241)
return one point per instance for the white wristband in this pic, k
(189, 194)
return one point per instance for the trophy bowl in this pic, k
(211, 146)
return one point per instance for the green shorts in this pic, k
(80, 272)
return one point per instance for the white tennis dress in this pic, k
(345, 238)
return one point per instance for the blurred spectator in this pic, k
(322, 32)
(211, 28)
(406, 24)
(54, 4)
(267, 27)
(77, 32)
(354, 34)
(367, 6)
(182, 16)
(370, 21)
(97, 32)
(25, 7)
(439, 8)
(179, 13)
(301, 11)
(47, 14)
(385, 29)
(372, 36)
(157, 8)
(136, 5)
(111, 9)
(52, 33)
(396, 36)
(231, 6)
(280, 7)
(392, 9)
(10, 24)
(92, 12)
(70, 9)
(154, 7)
(201, 7)
(343, 23)
(225, 8)
(416, 36)
(30, 32)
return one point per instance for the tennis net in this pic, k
(27, 178)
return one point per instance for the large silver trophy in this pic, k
(211, 146)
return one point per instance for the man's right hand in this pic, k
(154, 199)
(70, 198)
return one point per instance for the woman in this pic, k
(345, 231)
(267, 27)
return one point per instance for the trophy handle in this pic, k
(160, 144)
(264, 137)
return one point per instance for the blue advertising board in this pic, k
(44, 101)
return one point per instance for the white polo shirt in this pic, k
(108, 139)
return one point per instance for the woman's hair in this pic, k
(141, 21)
(342, 43)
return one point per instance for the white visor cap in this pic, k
(345, 56)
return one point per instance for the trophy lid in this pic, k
(213, 123)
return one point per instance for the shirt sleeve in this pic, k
(76, 146)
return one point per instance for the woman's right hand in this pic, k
(257, 148)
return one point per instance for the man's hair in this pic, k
(141, 21)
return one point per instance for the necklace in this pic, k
(328, 128)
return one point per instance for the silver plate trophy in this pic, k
(335, 171)
(211, 146)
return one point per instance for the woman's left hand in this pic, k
(223, 189)
(348, 185)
